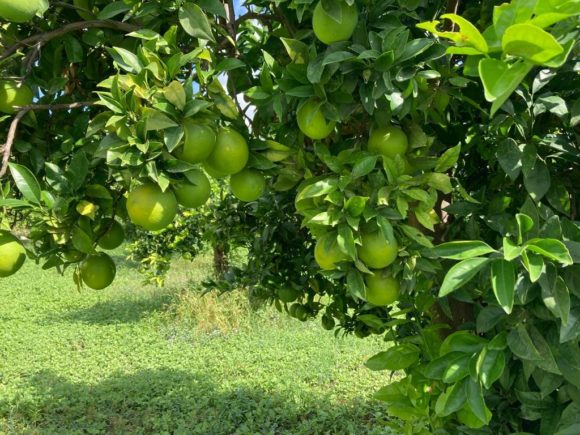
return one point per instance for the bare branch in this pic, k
(6, 149)
(43, 38)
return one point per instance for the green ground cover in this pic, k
(135, 359)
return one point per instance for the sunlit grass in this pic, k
(137, 359)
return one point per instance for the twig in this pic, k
(6, 149)
(452, 8)
(43, 38)
(231, 19)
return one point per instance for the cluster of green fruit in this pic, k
(223, 154)
(376, 252)
(97, 271)
(21, 11)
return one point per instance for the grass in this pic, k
(135, 359)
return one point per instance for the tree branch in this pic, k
(43, 38)
(6, 149)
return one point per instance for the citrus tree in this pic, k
(388, 172)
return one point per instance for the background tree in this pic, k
(373, 183)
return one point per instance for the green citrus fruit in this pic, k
(20, 11)
(230, 154)
(12, 254)
(299, 311)
(328, 322)
(312, 122)
(198, 143)
(382, 288)
(328, 30)
(12, 95)
(376, 251)
(388, 141)
(327, 253)
(288, 295)
(195, 191)
(73, 256)
(98, 271)
(248, 185)
(114, 235)
(151, 208)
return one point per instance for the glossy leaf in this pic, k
(461, 273)
(503, 281)
(461, 250)
(26, 182)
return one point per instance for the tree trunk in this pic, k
(220, 261)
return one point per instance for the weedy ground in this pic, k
(137, 359)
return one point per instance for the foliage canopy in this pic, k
(450, 146)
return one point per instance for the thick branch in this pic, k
(43, 38)
(6, 149)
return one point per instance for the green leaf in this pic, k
(172, 137)
(213, 7)
(448, 159)
(26, 182)
(531, 43)
(356, 285)
(455, 398)
(462, 341)
(503, 281)
(112, 10)
(441, 182)
(462, 249)
(319, 188)
(297, 50)
(355, 205)
(468, 34)
(490, 366)
(82, 241)
(509, 156)
(534, 264)
(477, 402)
(155, 120)
(416, 235)
(126, 60)
(175, 94)
(521, 344)
(460, 274)
(525, 225)
(457, 369)
(511, 251)
(345, 241)
(501, 79)
(195, 22)
(536, 174)
(337, 57)
(550, 248)
(398, 357)
(556, 298)
(14, 203)
(364, 166)
(568, 361)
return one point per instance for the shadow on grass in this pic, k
(173, 401)
(124, 310)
